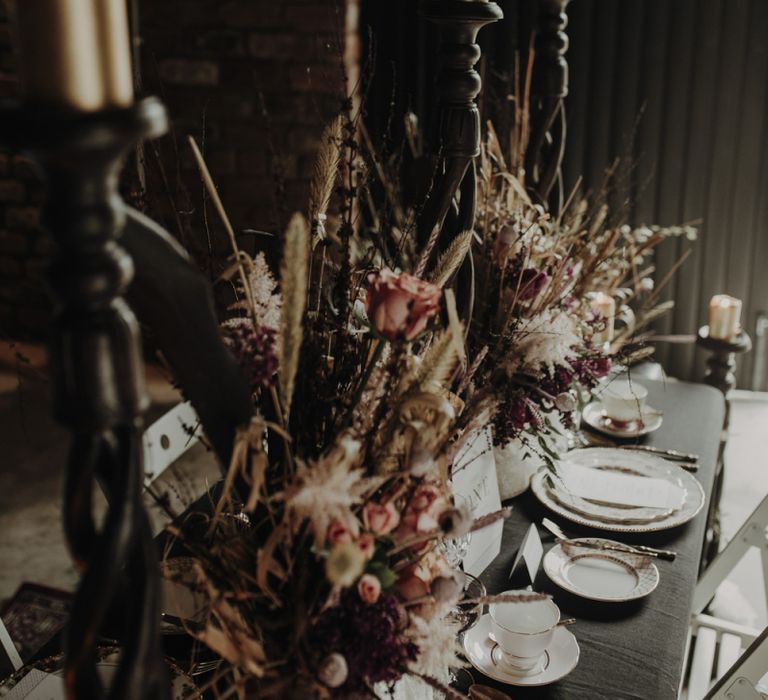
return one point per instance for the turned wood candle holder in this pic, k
(99, 391)
(720, 373)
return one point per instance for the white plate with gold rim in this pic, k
(693, 502)
(617, 461)
(607, 576)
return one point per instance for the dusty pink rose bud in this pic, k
(333, 671)
(379, 518)
(338, 533)
(400, 305)
(367, 544)
(369, 588)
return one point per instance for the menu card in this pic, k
(474, 478)
(614, 488)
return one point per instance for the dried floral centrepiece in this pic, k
(321, 567)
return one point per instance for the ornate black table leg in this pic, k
(458, 84)
(99, 387)
(720, 374)
(550, 87)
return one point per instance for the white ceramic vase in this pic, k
(513, 470)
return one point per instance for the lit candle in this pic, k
(604, 305)
(75, 53)
(724, 317)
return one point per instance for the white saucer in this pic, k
(559, 659)
(595, 417)
(605, 575)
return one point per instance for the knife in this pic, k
(554, 528)
(673, 455)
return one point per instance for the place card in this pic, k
(528, 559)
(474, 479)
(612, 488)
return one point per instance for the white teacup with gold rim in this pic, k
(523, 631)
(624, 401)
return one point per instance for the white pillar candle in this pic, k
(75, 53)
(724, 317)
(604, 306)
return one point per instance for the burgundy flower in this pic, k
(254, 350)
(532, 283)
(368, 636)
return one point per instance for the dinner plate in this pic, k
(612, 460)
(604, 575)
(595, 417)
(560, 657)
(692, 503)
(44, 680)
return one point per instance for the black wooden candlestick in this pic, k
(545, 152)
(99, 391)
(458, 84)
(721, 364)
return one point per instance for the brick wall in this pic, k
(254, 81)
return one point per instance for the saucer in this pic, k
(605, 575)
(595, 417)
(559, 659)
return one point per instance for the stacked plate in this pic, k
(605, 488)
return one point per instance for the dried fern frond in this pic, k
(451, 259)
(324, 176)
(293, 283)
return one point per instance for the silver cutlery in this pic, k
(665, 554)
(673, 455)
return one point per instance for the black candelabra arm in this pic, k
(458, 84)
(99, 391)
(544, 157)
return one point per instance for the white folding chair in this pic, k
(168, 438)
(717, 648)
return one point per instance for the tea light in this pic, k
(75, 53)
(604, 305)
(724, 317)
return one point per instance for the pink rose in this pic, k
(381, 518)
(367, 544)
(423, 511)
(369, 588)
(400, 305)
(338, 533)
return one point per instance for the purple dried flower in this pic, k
(254, 350)
(532, 282)
(368, 635)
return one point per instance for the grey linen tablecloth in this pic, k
(632, 650)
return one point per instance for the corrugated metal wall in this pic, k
(698, 69)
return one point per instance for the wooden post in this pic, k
(99, 391)
(544, 157)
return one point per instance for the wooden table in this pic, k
(633, 650)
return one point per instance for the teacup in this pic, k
(624, 401)
(523, 631)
